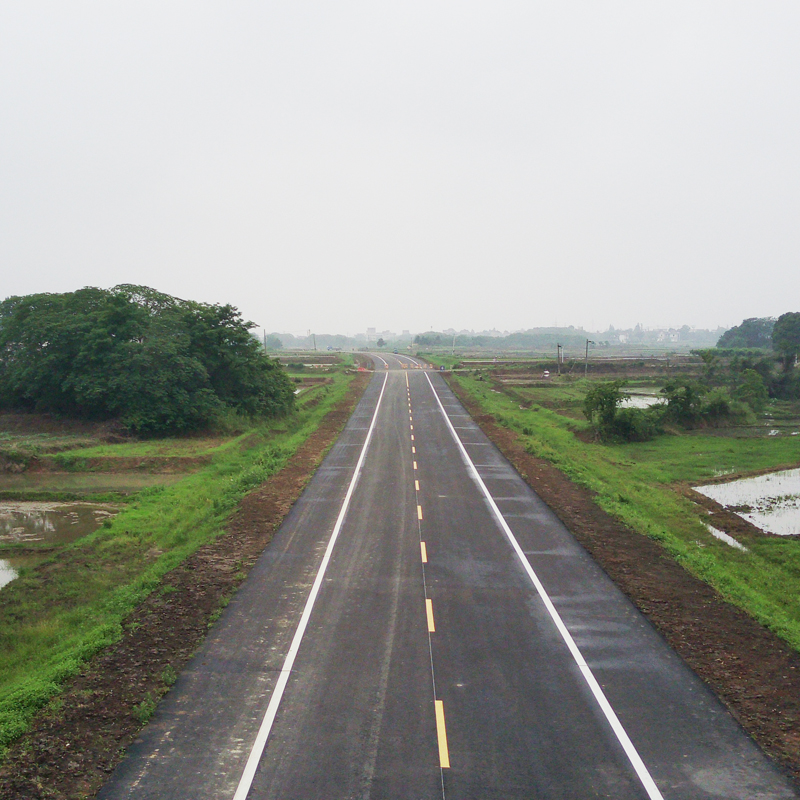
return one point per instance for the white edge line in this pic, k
(613, 720)
(245, 782)
(385, 363)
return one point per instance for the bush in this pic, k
(636, 424)
(601, 407)
(751, 390)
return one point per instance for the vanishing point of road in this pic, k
(423, 626)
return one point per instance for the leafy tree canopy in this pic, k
(753, 332)
(786, 334)
(157, 363)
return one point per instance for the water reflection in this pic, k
(7, 572)
(641, 401)
(770, 502)
(53, 523)
(37, 523)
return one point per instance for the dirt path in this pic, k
(754, 672)
(77, 741)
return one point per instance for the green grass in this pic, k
(634, 483)
(56, 616)
(440, 359)
(185, 447)
(38, 443)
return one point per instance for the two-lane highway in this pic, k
(423, 626)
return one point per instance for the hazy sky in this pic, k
(336, 165)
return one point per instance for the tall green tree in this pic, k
(786, 337)
(755, 332)
(157, 363)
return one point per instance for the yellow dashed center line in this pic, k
(415, 465)
(413, 449)
(429, 612)
(441, 733)
(411, 426)
(412, 435)
(419, 512)
(424, 551)
(416, 485)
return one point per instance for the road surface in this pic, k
(423, 626)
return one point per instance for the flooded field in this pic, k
(37, 524)
(641, 401)
(770, 502)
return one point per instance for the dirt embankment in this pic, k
(76, 742)
(754, 672)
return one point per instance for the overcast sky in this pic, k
(334, 165)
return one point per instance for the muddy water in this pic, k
(770, 502)
(45, 523)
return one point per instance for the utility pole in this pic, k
(454, 344)
(586, 360)
(265, 340)
(314, 337)
(558, 358)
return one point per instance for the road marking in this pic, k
(411, 426)
(246, 781)
(429, 613)
(409, 391)
(441, 733)
(415, 464)
(410, 419)
(424, 551)
(419, 512)
(412, 435)
(416, 485)
(633, 756)
(413, 449)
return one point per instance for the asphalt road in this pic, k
(423, 626)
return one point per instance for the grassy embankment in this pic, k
(71, 605)
(636, 484)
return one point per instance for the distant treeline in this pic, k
(574, 338)
(537, 339)
(156, 363)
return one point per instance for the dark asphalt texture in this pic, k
(357, 719)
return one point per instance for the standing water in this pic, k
(35, 523)
(770, 502)
(641, 401)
